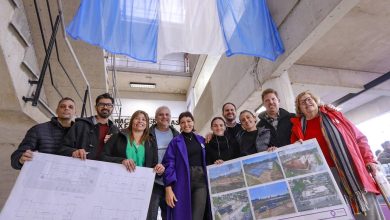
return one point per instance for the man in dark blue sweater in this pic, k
(46, 137)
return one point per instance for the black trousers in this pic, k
(198, 192)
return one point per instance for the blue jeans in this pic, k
(157, 200)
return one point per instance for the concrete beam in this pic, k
(331, 84)
(306, 23)
(152, 96)
(333, 77)
(369, 110)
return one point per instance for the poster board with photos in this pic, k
(293, 182)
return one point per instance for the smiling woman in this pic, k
(133, 146)
(253, 140)
(221, 147)
(345, 149)
(185, 178)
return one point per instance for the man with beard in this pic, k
(276, 119)
(233, 128)
(85, 140)
(46, 137)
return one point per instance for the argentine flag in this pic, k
(148, 30)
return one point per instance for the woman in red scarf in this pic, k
(345, 149)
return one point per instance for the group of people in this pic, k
(179, 159)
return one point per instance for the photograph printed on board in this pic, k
(271, 200)
(232, 206)
(262, 169)
(226, 177)
(301, 160)
(314, 192)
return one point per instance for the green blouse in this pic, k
(135, 152)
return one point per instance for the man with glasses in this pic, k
(85, 140)
(46, 137)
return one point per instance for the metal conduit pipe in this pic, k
(59, 3)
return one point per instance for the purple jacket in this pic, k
(177, 175)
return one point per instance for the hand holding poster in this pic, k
(293, 182)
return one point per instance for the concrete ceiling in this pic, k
(357, 46)
(360, 41)
(164, 83)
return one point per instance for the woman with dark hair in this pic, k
(346, 151)
(221, 147)
(186, 190)
(253, 139)
(133, 146)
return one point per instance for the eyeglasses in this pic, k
(108, 105)
(306, 100)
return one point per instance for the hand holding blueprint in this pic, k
(57, 187)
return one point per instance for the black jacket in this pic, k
(262, 142)
(281, 136)
(221, 148)
(84, 134)
(115, 149)
(46, 138)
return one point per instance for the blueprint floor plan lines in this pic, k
(126, 183)
(100, 213)
(36, 210)
(63, 177)
(52, 187)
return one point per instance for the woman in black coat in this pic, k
(221, 147)
(133, 146)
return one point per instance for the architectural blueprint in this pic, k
(64, 188)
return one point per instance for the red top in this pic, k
(103, 129)
(355, 143)
(313, 130)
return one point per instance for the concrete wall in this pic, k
(16, 116)
(230, 82)
(8, 175)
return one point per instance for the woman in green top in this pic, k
(133, 146)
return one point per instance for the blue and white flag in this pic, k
(148, 30)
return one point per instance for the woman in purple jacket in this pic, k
(186, 190)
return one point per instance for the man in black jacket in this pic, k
(46, 137)
(276, 119)
(85, 140)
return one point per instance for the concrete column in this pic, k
(282, 85)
